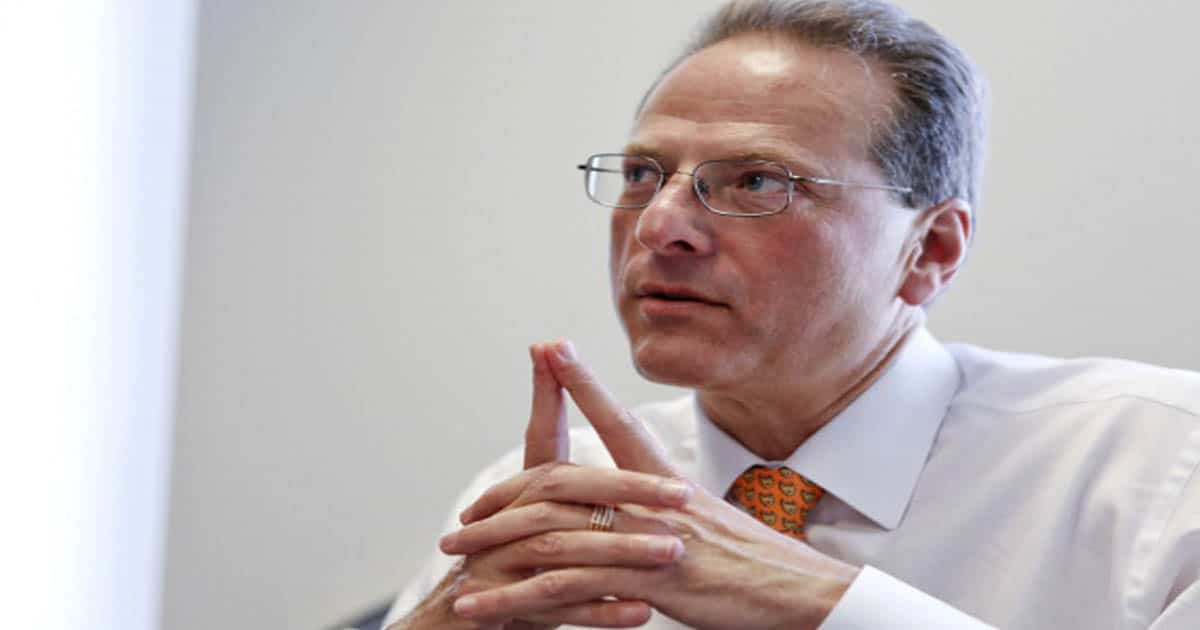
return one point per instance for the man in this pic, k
(797, 189)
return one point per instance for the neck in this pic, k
(774, 422)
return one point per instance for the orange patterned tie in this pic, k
(779, 497)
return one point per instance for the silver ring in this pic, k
(602, 518)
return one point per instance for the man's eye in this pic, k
(637, 174)
(766, 183)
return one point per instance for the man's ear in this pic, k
(942, 236)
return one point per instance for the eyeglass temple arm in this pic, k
(835, 182)
(585, 167)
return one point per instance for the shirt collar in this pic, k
(871, 454)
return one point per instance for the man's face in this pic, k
(729, 303)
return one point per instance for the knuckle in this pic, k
(662, 486)
(568, 371)
(546, 545)
(576, 375)
(550, 482)
(549, 468)
(537, 476)
(541, 514)
(629, 485)
(541, 470)
(548, 485)
(662, 483)
(627, 419)
(553, 585)
(470, 585)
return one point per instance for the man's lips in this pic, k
(674, 293)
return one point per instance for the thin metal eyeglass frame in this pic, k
(663, 173)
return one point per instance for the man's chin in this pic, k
(674, 362)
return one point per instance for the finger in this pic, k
(554, 550)
(544, 544)
(577, 484)
(546, 437)
(601, 614)
(515, 524)
(627, 439)
(529, 520)
(549, 590)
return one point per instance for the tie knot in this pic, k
(779, 497)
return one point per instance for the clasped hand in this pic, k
(530, 559)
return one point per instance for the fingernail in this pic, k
(466, 604)
(465, 517)
(664, 548)
(633, 614)
(447, 542)
(674, 492)
(565, 351)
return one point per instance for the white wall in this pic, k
(94, 125)
(385, 212)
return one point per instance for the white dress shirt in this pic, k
(976, 488)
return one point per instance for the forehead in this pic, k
(760, 93)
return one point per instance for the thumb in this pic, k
(546, 437)
(628, 440)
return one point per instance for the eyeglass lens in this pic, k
(725, 186)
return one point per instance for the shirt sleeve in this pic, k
(1164, 581)
(878, 601)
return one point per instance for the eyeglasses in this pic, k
(736, 188)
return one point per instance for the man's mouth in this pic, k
(674, 294)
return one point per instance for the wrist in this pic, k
(827, 595)
(820, 589)
(433, 613)
(432, 617)
(436, 610)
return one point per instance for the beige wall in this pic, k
(385, 212)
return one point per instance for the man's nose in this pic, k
(675, 222)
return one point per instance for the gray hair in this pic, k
(934, 141)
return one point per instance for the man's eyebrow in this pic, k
(800, 163)
(642, 149)
(744, 155)
(797, 160)
(758, 156)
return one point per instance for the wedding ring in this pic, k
(602, 518)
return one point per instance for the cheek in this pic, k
(874, 244)
(809, 272)
(859, 267)
(801, 257)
